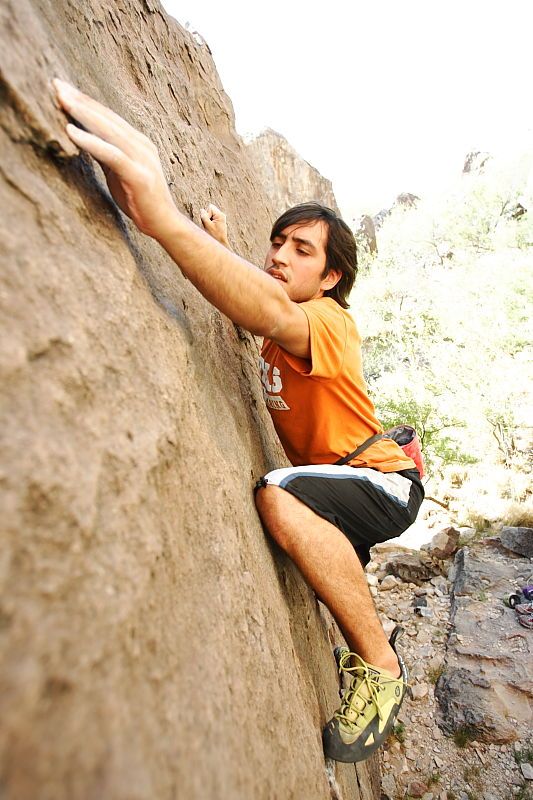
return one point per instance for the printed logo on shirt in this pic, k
(272, 385)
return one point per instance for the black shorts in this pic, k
(366, 505)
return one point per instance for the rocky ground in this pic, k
(433, 755)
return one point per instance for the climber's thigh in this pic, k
(366, 505)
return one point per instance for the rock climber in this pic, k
(324, 516)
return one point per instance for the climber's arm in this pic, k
(133, 171)
(243, 292)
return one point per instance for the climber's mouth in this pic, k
(276, 273)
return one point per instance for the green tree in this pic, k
(444, 309)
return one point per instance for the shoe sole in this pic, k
(339, 751)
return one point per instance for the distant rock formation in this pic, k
(379, 218)
(365, 233)
(475, 162)
(154, 644)
(286, 177)
(405, 200)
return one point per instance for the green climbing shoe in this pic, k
(368, 709)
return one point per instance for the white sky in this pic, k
(382, 97)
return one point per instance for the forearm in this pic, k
(242, 291)
(136, 180)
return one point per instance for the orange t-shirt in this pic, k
(320, 406)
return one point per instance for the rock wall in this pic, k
(486, 689)
(153, 642)
(286, 177)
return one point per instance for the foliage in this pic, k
(524, 792)
(471, 773)
(434, 673)
(398, 732)
(524, 755)
(464, 735)
(444, 309)
(431, 424)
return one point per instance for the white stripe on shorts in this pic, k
(396, 486)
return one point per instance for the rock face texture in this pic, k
(153, 643)
(286, 177)
(518, 540)
(486, 689)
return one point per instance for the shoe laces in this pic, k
(364, 689)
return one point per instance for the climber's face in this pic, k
(297, 259)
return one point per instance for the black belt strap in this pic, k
(360, 449)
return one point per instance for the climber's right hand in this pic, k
(214, 222)
(129, 159)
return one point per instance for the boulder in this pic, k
(486, 689)
(154, 643)
(467, 534)
(412, 567)
(444, 544)
(518, 540)
(440, 584)
(471, 573)
(465, 703)
(388, 582)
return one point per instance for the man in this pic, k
(324, 516)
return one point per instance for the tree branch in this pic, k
(438, 502)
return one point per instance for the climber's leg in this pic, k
(330, 565)
(296, 506)
(326, 518)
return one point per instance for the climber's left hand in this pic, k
(129, 159)
(215, 223)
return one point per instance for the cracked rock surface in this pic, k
(465, 732)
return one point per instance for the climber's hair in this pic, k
(341, 249)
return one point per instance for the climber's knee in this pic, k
(272, 505)
(268, 498)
